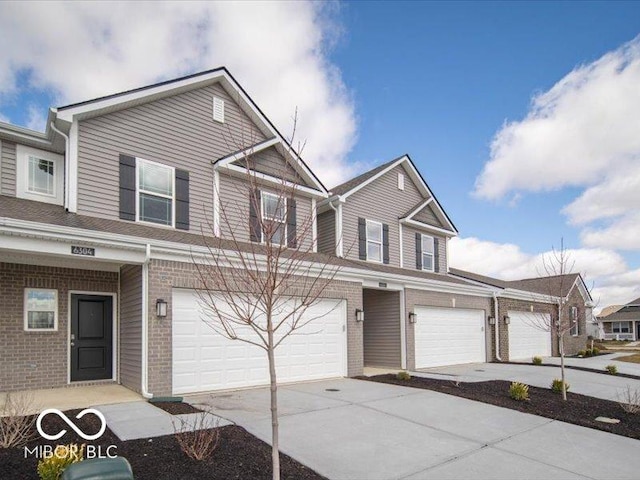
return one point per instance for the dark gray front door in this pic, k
(91, 337)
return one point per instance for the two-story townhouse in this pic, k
(101, 217)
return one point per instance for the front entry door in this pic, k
(91, 337)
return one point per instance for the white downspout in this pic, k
(338, 227)
(497, 327)
(66, 164)
(145, 324)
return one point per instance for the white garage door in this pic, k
(449, 336)
(204, 360)
(527, 338)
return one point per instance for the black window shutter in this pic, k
(362, 238)
(436, 255)
(254, 219)
(385, 243)
(292, 241)
(419, 251)
(127, 187)
(182, 199)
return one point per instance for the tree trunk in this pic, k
(275, 454)
(564, 384)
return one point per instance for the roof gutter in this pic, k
(66, 164)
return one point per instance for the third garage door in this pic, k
(528, 336)
(449, 336)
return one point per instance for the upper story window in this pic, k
(374, 241)
(274, 218)
(40, 309)
(39, 175)
(574, 321)
(156, 197)
(427, 253)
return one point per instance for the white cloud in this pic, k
(603, 269)
(575, 134)
(276, 50)
(36, 118)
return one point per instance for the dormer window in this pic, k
(155, 192)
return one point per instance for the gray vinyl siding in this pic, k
(8, 169)
(234, 211)
(270, 162)
(381, 328)
(409, 253)
(327, 232)
(131, 326)
(178, 131)
(427, 215)
(381, 201)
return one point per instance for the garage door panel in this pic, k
(528, 335)
(449, 336)
(204, 360)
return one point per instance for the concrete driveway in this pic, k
(353, 429)
(600, 362)
(597, 385)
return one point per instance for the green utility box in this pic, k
(99, 469)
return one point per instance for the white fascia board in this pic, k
(258, 147)
(420, 207)
(345, 195)
(234, 169)
(424, 226)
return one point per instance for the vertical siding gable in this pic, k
(177, 131)
(382, 201)
(327, 232)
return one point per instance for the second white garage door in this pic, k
(527, 335)
(449, 336)
(204, 360)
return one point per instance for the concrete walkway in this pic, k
(597, 385)
(599, 362)
(346, 429)
(73, 397)
(133, 420)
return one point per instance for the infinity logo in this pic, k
(46, 412)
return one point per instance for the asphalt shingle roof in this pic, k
(354, 182)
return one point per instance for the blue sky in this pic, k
(522, 116)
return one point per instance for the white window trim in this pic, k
(139, 162)
(264, 217)
(381, 242)
(432, 254)
(26, 311)
(620, 327)
(22, 175)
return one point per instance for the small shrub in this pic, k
(581, 353)
(536, 360)
(595, 351)
(556, 386)
(612, 369)
(403, 376)
(52, 467)
(16, 426)
(588, 352)
(199, 438)
(629, 400)
(519, 391)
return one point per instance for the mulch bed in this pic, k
(239, 455)
(176, 408)
(578, 409)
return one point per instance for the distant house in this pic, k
(623, 323)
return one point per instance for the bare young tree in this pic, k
(261, 277)
(557, 269)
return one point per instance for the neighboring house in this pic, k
(102, 215)
(528, 307)
(623, 323)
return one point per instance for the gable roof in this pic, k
(556, 285)
(138, 96)
(628, 311)
(344, 190)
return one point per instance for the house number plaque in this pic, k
(86, 251)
